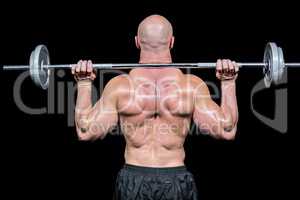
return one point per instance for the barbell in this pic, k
(273, 65)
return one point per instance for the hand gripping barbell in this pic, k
(39, 65)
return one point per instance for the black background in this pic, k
(40, 153)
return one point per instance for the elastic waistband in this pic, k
(154, 170)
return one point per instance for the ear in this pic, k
(137, 44)
(172, 42)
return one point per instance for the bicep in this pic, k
(104, 115)
(207, 115)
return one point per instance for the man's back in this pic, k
(155, 114)
(155, 108)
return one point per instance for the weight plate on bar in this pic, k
(40, 74)
(271, 60)
(281, 66)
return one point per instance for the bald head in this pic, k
(155, 33)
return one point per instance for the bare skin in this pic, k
(155, 106)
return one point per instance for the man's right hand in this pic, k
(83, 70)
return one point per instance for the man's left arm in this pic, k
(218, 121)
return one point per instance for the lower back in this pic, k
(150, 156)
(155, 146)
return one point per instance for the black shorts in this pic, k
(135, 182)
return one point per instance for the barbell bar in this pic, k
(273, 65)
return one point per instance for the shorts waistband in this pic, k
(154, 170)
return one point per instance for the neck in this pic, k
(153, 57)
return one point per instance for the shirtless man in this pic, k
(155, 108)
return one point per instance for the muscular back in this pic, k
(155, 107)
(155, 114)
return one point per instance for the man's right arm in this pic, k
(94, 122)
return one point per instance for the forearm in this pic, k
(229, 104)
(93, 122)
(83, 106)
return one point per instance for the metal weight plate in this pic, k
(281, 66)
(38, 72)
(271, 60)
